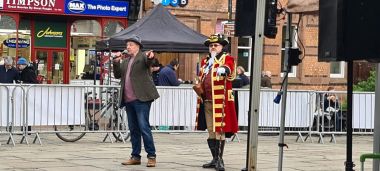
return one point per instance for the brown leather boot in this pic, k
(211, 146)
(132, 161)
(151, 162)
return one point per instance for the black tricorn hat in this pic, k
(216, 38)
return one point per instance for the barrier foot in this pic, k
(24, 137)
(307, 136)
(333, 138)
(122, 137)
(107, 136)
(320, 140)
(299, 136)
(11, 138)
(236, 135)
(37, 137)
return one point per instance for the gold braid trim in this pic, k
(221, 62)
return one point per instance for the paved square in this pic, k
(178, 152)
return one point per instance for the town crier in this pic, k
(216, 108)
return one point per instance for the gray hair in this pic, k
(8, 60)
(241, 68)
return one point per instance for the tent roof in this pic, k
(160, 31)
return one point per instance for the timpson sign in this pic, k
(33, 6)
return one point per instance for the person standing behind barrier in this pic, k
(331, 105)
(137, 94)
(155, 69)
(242, 76)
(266, 79)
(216, 108)
(167, 76)
(8, 73)
(27, 73)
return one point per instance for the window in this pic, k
(24, 36)
(112, 27)
(337, 69)
(84, 34)
(8, 34)
(85, 28)
(245, 53)
(293, 70)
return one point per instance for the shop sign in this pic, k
(97, 8)
(173, 3)
(50, 34)
(11, 43)
(33, 6)
(229, 29)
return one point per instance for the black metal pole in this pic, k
(250, 109)
(249, 118)
(95, 65)
(229, 10)
(349, 164)
(247, 155)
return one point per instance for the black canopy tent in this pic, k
(159, 31)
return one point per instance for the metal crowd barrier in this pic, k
(305, 112)
(69, 111)
(175, 110)
(5, 109)
(72, 110)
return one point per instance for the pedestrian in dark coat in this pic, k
(155, 69)
(242, 76)
(27, 73)
(266, 79)
(8, 73)
(167, 75)
(137, 94)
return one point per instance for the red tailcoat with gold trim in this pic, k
(224, 116)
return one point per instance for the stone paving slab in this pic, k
(178, 152)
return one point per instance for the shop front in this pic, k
(58, 37)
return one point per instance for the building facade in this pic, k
(212, 16)
(58, 36)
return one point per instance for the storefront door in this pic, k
(50, 65)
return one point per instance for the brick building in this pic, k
(208, 17)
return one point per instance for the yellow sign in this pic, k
(49, 33)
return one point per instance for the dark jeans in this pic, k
(138, 121)
(339, 122)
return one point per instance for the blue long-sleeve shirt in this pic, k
(167, 77)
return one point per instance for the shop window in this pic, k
(7, 36)
(245, 53)
(84, 34)
(24, 37)
(293, 34)
(337, 69)
(85, 28)
(112, 27)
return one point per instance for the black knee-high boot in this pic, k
(211, 145)
(219, 148)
